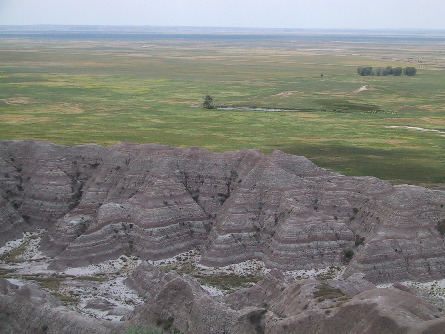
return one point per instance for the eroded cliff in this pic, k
(150, 202)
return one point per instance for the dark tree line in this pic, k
(384, 71)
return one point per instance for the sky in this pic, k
(312, 14)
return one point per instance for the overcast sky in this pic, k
(362, 14)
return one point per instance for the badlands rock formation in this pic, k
(277, 305)
(154, 202)
(30, 310)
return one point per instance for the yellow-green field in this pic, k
(75, 89)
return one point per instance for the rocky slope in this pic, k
(28, 309)
(281, 305)
(152, 202)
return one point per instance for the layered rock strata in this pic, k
(280, 305)
(154, 202)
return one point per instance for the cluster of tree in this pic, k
(384, 71)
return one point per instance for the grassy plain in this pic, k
(105, 88)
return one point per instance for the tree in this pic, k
(410, 71)
(397, 71)
(364, 70)
(388, 71)
(208, 102)
(378, 71)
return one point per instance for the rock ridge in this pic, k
(154, 202)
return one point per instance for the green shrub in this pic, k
(441, 227)
(324, 292)
(349, 253)
(359, 240)
(143, 330)
(165, 323)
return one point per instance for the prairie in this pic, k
(106, 87)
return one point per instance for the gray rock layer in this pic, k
(154, 202)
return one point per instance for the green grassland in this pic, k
(150, 88)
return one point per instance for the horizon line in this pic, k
(217, 27)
